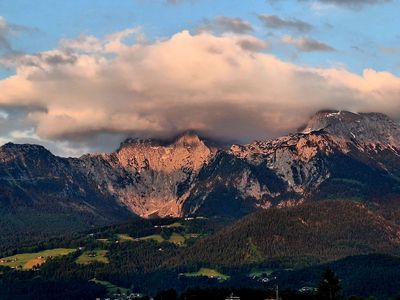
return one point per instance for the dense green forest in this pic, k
(310, 233)
(289, 247)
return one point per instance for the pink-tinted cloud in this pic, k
(223, 86)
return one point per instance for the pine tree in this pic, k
(329, 286)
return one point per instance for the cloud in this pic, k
(353, 4)
(227, 24)
(213, 84)
(3, 115)
(176, 2)
(7, 30)
(391, 50)
(275, 22)
(4, 32)
(83, 44)
(306, 44)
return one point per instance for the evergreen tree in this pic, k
(329, 286)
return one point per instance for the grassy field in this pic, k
(121, 237)
(177, 239)
(173, 225)
(125, 237)
(111, 288)
(192, 235)
(89, 257)
(103, 240)
(210, 273)
(27, 261)
(261, 272)
(154, 237)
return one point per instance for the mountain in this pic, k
(361, 128)
(42, 193)
(338, 155)
(46, 194)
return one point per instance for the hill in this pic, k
(309, 233)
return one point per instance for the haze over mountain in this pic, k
(339, 155)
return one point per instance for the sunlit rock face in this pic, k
(337, 155)
(151, 177)
(336, 150)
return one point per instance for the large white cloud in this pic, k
(222, 86)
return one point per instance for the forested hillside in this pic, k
(314, 232)
(287, 246)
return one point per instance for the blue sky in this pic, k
(82, 75)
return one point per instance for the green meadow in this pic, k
(210, 273)
(27, 261)
(89, 257)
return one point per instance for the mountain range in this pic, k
(336, 155)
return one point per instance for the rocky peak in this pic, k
(11, 151)
(362, 128)
(23, 147)
(186, 139)
(187, 150)
(134, 142)
(163, 171)
(189, 139)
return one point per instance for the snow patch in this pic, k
(333, 114)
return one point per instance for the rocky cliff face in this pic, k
(337, 155)
(151, 178)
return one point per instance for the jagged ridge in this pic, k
(338, 155)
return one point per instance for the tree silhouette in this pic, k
(329, 286)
